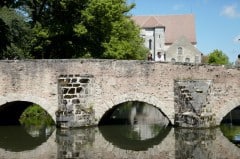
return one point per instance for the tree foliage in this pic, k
(15, 35)
(4, 33)
(35, 115)
(114, 34)
(218, 57)
(78, 28)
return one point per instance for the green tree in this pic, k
(218, 57)
(4, 34)
(71, 29)
(82, 28)
(15, 35)
(110, 32)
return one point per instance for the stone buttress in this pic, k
(74, 107)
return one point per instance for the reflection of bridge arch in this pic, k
(44, 103)
(224, 110)
(113, 134)
(46, 150)
(224, 148)
(141, 97)
(17, 139)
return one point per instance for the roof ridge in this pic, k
(158, 22)
(152, 21)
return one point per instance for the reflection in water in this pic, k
(125, 136)
(36, 131)
(194, 143)
(116, 142)
(75, 143)
(232, 132)
(109, 142)
(16, 138)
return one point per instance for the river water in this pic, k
(119, 142)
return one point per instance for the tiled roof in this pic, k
(152, 22)
(175, 25)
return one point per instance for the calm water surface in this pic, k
(125, 142)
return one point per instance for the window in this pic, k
(180, 50)
(150, 44)
(187, 60)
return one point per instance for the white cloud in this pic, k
(230, 11)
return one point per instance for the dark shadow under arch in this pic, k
(232, 117)
(106, 119)
(11, 112)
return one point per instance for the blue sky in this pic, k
(217, 21)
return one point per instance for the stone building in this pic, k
(170, 38)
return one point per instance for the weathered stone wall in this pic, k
(74, 109)
(191, 103)
(112, 82)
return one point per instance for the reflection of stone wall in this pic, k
(179, 143)
(192, 103)
(194, 143)
(90, 144)
(74, 143)
(74, 107)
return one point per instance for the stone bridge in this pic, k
(78, 92)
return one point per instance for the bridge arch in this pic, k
(224, 110)
(168, 110)
(43, 102)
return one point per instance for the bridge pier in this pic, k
(191, 103)
(74, 107)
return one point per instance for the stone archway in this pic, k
(166, 108)
(44, 103)
(224, 110)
